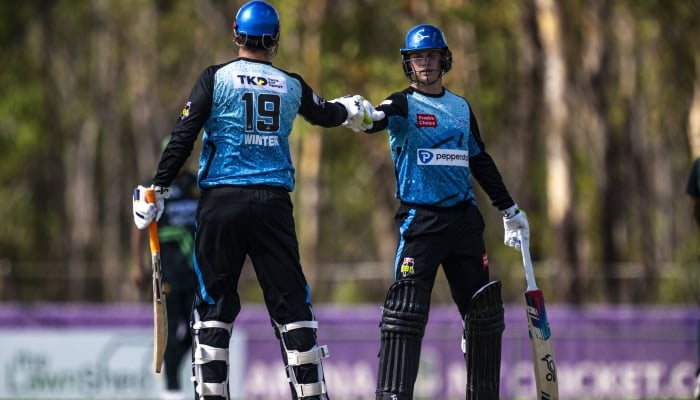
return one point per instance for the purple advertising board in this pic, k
(602, 352)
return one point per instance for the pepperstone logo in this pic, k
(456, 158)
(424, 156)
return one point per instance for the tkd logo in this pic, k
(425, 156)
(252, 80)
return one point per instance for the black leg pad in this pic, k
(484, 324)
(403, 323)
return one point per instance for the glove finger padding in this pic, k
(143, 212)
(516, 226)
(370, 115)
(354, 108)
(161, 193)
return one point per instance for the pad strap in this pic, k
(313, 356)
(204, 354)
(310, 389)
(297, 325)
(212, 324)
(213, 389)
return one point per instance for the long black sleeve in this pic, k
(486, 173)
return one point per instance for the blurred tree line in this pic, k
(591, 108)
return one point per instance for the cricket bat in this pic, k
(540, 335)
(160, 316)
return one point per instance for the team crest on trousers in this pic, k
(407, 266)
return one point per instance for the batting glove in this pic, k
(371, 115)
(356, 112)
(145, 212)
(515, 226)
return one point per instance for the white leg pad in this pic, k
(203, 354)
(297, 358)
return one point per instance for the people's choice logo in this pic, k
(426, 121)
(455, 158)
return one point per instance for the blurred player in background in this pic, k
(247, 108)
(693, 191)
(437, 149)
(176, 233)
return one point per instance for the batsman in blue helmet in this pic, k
(437, 150)
(246, 108)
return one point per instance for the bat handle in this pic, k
(153, 227)
(527, 262)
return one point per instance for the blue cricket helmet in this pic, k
(257, 18)
(425, 37)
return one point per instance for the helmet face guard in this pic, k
(257, 25)
(425, 37)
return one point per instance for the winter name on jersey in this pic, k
(276, 83)
(262, 140)
(455, 158)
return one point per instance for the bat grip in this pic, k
(153, 240)
(527, 262)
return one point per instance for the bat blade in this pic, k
(160, 316)
(538, 329)
(541, 341)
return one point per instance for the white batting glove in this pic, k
(162, 193)
(145, 212)
(370, 116)
(356, 112)
(515, 220)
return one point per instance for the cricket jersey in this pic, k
(247, 109)
(436, 148)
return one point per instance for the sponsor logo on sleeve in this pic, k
(186, 111)
(319, 100)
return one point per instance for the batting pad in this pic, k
(484, 324)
